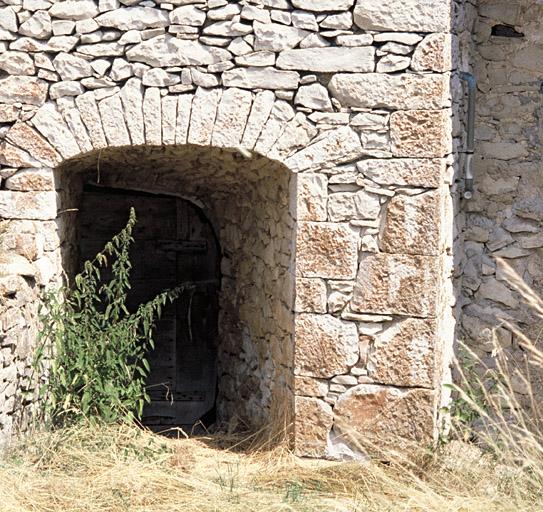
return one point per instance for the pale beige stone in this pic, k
(397, 92)
(313, 421)
(132, 99)
(397, 284)
(421, 133)
(312, 195)
(377, 417)
(260, 112)
(279, 117)
(297, 134)
(88, 109)
(12, 264)
(112, 114)
(413, 224)
(27, 180)
(433, 53)
(23, 89)
(326, 250)
(309, 386)
(25, 137)
(427, 173)
(345, 206)
(310, 296)
(232, 115)
(12, 156)
(184, 107)
(261, 78)
(152, 116)
(328, 60)
(406, 354)
(403, 15)
(333, 148)
(28, 205)
(169, 119)
(9, 113)
(75, 123)
(203, 114)
(324, 345)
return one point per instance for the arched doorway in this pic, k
(174, 244)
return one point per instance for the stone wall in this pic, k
(353, 98)
(503, 221)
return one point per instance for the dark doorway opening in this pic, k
(174, 244)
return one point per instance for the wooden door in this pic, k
(174, 244)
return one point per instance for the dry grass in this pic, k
(124, 468)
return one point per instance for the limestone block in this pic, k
(17, 63)
(230, 28)
(433, 53)
(152, 116)
(427, 173)
(23, 89)
(314, 96)
(132, 98)
(165, 50)
(312, 196)
(406, 354)
(333, 148)
(70, 67)
(413, 224)
(397, 284)
(391, 63)
(297, 134)
(329, 60)
(323, 5)
(74, 10)
(403, 15)
(187, 15)
(310, 296)
(28, 205)
(169, 119)
(324, 345)
(232, 115)
(27, 180)
(8, 19)
(88, 109)
(13, 264)
(260, 78)
(37, 26)
(275, 37)
(64, 89)
(396, 92)
(12, 156)
(309, 386)
(184, 107)
(203, 113)
(345, 206)
(382, 416)
(260, 111)
(112, 114)
(280, 115)
(326, 250)
(9, 113)
(23, 136)
(134, 18)
(313, 421)
(421, 133)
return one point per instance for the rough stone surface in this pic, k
(326, 250)
(328, 60)
(325, 346)
(314, 419)
(397, 284)
(22, 89)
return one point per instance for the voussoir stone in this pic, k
(398, 284)
(25, 137)
(405, 91)
(329, 60)
(22, 89)
(261, 78)
(134, 18)
(403, 15)
(384, 416)
(313, 421)
(162, 51)
(327, 250)
(325, 345)
(74, 10)
(405, 354)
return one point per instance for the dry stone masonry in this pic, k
(323, 139)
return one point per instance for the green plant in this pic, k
(92, 355)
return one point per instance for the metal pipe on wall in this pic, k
(470, 149)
